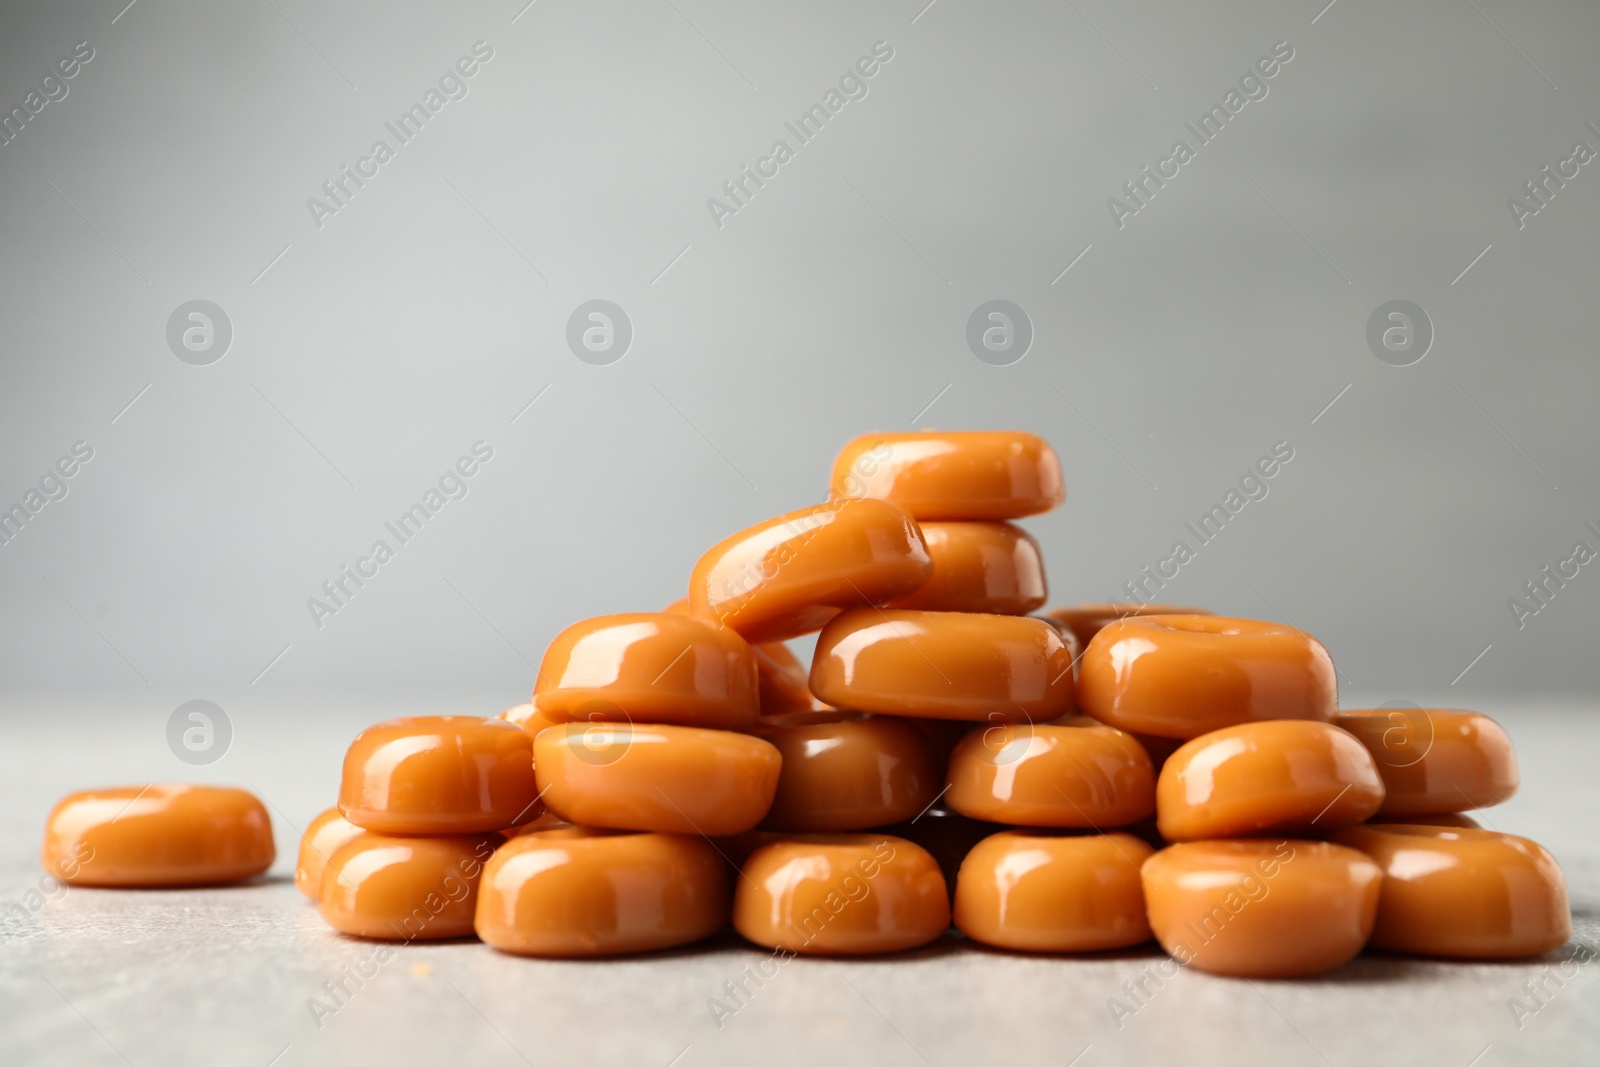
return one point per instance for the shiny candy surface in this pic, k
(1285, 778)
(577, 892)
(1261, 909)
(841, 894)
(444, 774)
(649, 667)
(322, 838)
(788, 576)
(1461, 892)
(529, 717)
(968, 475)
(674, 779)
(1066, 776)
(845, 772)
(990, 567)
(1436, 761)
(404, 888)
(158, 835)
(1086, 620)
(943, 665)
(1186, 675)
(1039, 891)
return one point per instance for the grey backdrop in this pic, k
(371, 351)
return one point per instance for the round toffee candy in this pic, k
(1435, 761)
(1086, 620)
(993, 568)
(962, 476)
(1283, 778)
(322, 838)
(673, 779)
(649, 667)
(442, 774)
(404, 888)
(943, 665)
(841, 895)
(1186, 675)
(848, 772)
(1261, 909)
(1041, 891)
(780, 676)
(576, 892)
(1461, 892)
(158, 835)
(788, 576)
(1087, 777)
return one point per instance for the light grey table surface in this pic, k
(224, 976)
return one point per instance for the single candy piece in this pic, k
(1261, 909)
(841, 895)
(404, 888)
(673, 779)
(848, 772)
(1040, 891)
(1464, 893)
(529, 717)
(943, 665)
(649, 667)
(971, 475)
(322, 838)
(578, 892)
(788, 576)
(1186, 675)
(780, 676)
(1283, 778)
(1086, 620)
(442, 774)
(1435, 761)
(158, 835)
(1087, 777)
(990, 567)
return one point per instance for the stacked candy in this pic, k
(1068, 782)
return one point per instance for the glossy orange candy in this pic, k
(848, 772)
(780, 676)
(943, 665)
(993, 568)
(841, 895)
(322, 838)
(158, 835)
(649, 667)
(529, 717)
(788, 576)
(1261, 909)
(404, 888)
(1086, 620)
(673, 779)
(1039, 891)
(1088, 777)
(1436, 761)
(970, 475)
(1467, 893)
(1186, 675)
(442, 774)
(577, 892)
(1286, 777)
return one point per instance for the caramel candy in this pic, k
(973, 475)
(649, 667)
(404, 888)
(1452, 891)
(841, 895)
(990, 567)
(1261, 909)
(943, 665)
(442, 774)
(1186, 675)
(577, 892)
(673, 779)
(1089, 777)
(1040, 891)
(1288, 777)
(846, 772)
(788, 576)
(158, 835)
(529, 717)
(780, 676)
(1086, 620)
(1436, 761)
(323, 836)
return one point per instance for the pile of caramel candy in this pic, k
(1084, 779)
